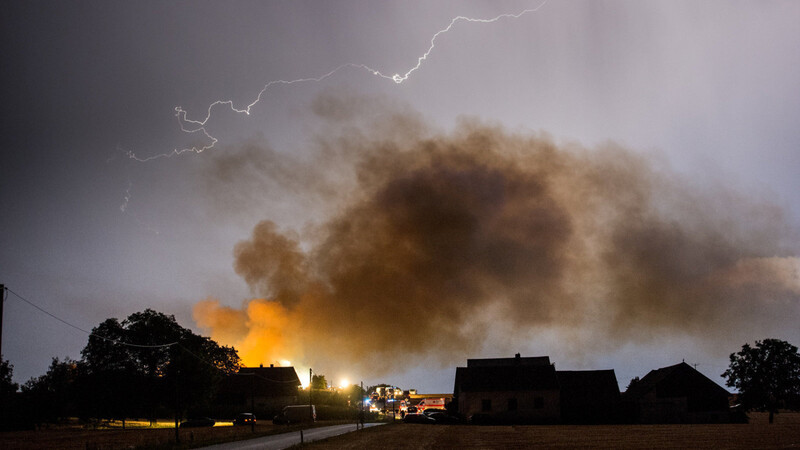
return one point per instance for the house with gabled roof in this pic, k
(263, 390)
(530, 390)
(676, 394)
(518, 390)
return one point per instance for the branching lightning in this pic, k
(190, 126)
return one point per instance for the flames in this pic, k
(261, 331)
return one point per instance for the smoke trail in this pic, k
(447, 233)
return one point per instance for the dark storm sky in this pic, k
(707, 90)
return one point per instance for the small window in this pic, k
(486, 405)
(512, 404)
(538, 402)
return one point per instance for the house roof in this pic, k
(506, 378)
(517, 360)
(595, 381)
(674, 381)
(263, 381)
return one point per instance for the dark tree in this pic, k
(767, 375)
(319, 382)
(7, 386)
(150, 364)
(9, 403)
(354, 394)
(633, 382)
(53, 396)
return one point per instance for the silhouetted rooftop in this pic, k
(516, 361)
(506, 378)
(680, 380)
(264, 381)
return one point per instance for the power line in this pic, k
(115, 341)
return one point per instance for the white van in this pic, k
(296, 414)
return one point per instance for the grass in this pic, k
(784, 433)
(136, 435)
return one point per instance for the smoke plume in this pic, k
(435, 237)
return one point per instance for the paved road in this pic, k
(285, 440)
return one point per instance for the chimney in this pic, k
(261, 366)
(272, 365)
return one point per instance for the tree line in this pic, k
(146, 365)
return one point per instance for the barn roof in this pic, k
(586, 381)
(517, 360)
(263, 381)
(505, 378)
(674, 381)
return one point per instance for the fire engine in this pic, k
(430, 403)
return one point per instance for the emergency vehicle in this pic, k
(430, 403)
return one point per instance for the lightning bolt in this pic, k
(124, 210)
(191, 126)
(126, 199)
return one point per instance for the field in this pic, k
(784, 433)
(613, 437)
(136, 436)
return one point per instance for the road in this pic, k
(285, 440)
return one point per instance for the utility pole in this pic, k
(361, 413)
(253, 403)
(310, 405)
(2, 300)
(177, 415)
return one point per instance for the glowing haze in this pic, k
(438, 237)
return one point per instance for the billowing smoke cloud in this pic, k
(438, 236)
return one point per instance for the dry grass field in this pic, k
(160, 437)
(783, 434)
(758, 434)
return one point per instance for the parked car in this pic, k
(442, 417)
(198, 422)
(418, 418)
(245, 419)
